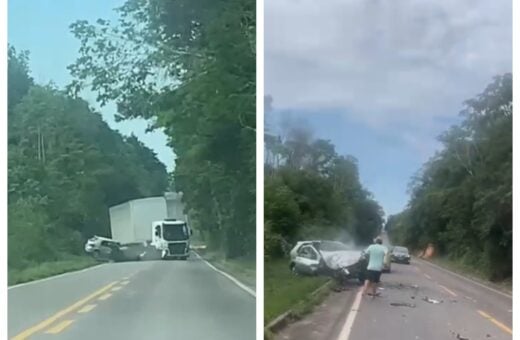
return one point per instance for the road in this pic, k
(467, 311)
(133, 300)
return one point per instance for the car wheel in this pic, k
(96, 255)
(292, 267)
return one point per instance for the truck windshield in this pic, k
(175, 232)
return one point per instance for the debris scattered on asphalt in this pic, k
(339, 289)
(427, 299)
(459, 337)
(471, 299)
(402, 304)
(488, 336)
(453, 301)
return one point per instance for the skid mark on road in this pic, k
(59, 327)
(87, 309)
(496, 322)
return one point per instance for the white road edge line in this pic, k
(349, 322)
(57, 276)
(234, 280)
(465, 278)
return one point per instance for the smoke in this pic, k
(344, 237)
(327, 233)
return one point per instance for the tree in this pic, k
(462, 201)
(188, 67)
(66, 167)
(312, 192)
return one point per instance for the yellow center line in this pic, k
(87, 309)
(59, 327)
(496, 322)
(104, 296)
(44, 324)
(449, 291)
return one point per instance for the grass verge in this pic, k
(472, 273)
(47, 269)
(244, 269)
(284, 291)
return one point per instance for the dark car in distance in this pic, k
(401, 255)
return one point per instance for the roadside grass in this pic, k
(244, 269)
(284, 291)
(471, 272)
(47, 269)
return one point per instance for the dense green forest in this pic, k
(65, 168)
(189, 67)
(461, 202)
(311, 192)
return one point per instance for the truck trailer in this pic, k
(149, 225)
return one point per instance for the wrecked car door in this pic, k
(307, 261)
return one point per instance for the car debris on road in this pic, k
(427, 299)
(402, 304)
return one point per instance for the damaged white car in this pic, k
(329, 258)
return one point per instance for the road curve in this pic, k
(134, 300)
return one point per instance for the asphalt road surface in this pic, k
(133, 300)
(466, 310)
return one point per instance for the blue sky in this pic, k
(42, 27)
(382, 79)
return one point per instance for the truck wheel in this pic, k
(184, 258)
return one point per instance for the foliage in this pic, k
(65, 168)
(312, 192)
(46, 269)
(462, 200)
(188, 67)
(283, 290)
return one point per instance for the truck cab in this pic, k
(172, 238)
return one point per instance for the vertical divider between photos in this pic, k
(260, 169)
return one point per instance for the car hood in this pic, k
(341, 259)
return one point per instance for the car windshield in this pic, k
(401, 250)
(332, 246)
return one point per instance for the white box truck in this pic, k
(130, 222)
(159, 222)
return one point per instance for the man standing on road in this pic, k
(376, 253)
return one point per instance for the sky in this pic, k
(382, 79)
(42, 28)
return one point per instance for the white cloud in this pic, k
(401, 62)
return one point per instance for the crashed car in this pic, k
(401, 255)
(329, 258)
(106, 249)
